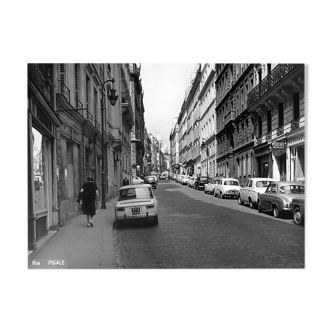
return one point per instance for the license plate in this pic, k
(234, 192)
(135, 211)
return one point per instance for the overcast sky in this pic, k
(164, 86)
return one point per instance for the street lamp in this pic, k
(113, 99)
(203, 145)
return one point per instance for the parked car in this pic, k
(137, 180)
(209, 187)
(252, 189)
(200, 182)
(162, 177)
(151, 179)
(227, 187)
(178, 178)
(297, 208)
(191, 182)
(136, 202)
(279, 195)
(184, 179)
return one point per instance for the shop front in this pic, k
(296, 151)
(263, 162)
(42, 170)
(279, 158)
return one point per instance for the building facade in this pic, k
(235, 155)
(43, 207)
(207, 121)
(137, 139)
(174, 147)
(277, 108)
(78, 127)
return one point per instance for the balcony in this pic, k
(259, 140)
(89, 117)
(229, 117)
(269, 81)
(268, 136)
(64, 90)
(280, 130)
(42, 81)
(79, 106)
(97, 125)
(295, 123)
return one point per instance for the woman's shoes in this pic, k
(88, 225)
(91, 223)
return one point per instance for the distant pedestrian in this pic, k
(89, 196)
(125, 182)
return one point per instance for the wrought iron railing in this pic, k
(89, 117)
(97, 125)
(280, 130)
(79, 106)
(230, 116)
(269, 81)
(295, 123)
(65, 90)
(268, 136)
(43, 83)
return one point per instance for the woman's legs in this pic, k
(87, 220)
(91, 221)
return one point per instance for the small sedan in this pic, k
(212, 182)
(227, 187)
(136, 202)
(252, 189)
(151, 179)
(137, 180)
(279, 195)
(191, 182)
(184, 179)
(162, 177)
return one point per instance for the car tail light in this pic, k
(120, 209)
(150, 206)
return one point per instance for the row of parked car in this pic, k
(265, 194)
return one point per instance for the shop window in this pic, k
(39, 169)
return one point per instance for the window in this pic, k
(87, 91)
(76, 82)
(296, 105)
(269, 122)
(281, 114)
(260, 127)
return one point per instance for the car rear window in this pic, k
(133, 193)
(261, 184)
(231, 183)
(291, 189)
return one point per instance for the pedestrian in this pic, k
(89, 196)
(125, 182)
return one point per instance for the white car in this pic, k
(184, 179)
(253, 188)
(210, 186)
(227, 187)
(191, 182)
(136, 202)
(137, 180)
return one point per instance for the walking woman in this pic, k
(89, 194)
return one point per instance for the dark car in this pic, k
(298, 208)
(151, 180)
(200, 182)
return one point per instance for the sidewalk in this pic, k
(76, 246)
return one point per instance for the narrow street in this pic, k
(197, 230)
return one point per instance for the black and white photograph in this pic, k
(127, 170)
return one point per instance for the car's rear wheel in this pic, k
(251, 204)
(297, 217)
(239, 200)
(275, 211)
(260, 210)
(222, 195)
(212, 192)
